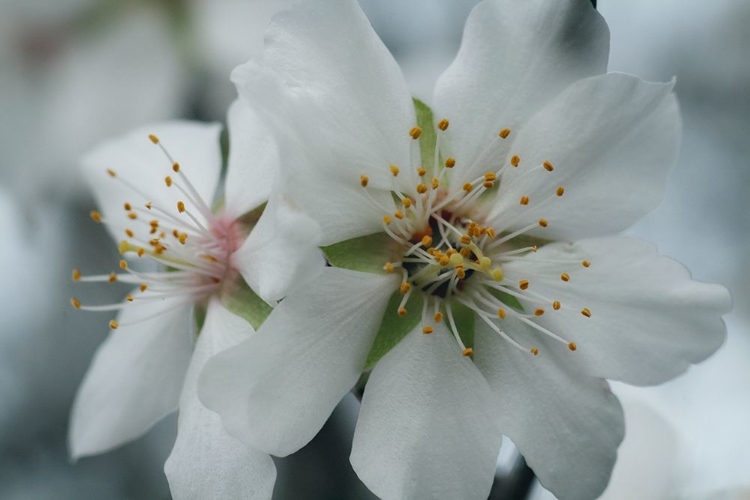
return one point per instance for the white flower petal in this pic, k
(206, 463)
(649, 320)
(427, 426)
(566, 424)
(276, 390)
(326, 78)
(253, 160)
(515, 57)
(135, 377)
(281, 251)
(611, 141)
(139, 162)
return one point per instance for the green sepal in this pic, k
(365, 253)
(241, 300)
(464, 318)
(393, 328)
(428, 138)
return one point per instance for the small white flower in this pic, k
(453, 287)
(155, 188)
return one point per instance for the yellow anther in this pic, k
(444, 124)
(450, 252)
(405, 287)
(415, 132)
(402, 311)
(113, 324)
(438, 317)
(129, 233)
(75, 303)
(504, 133)
(524, 200)
(129, 297)
(154, 242)
(386, 219)
(534, 351)
(539, 312)
(468, 187)
(585, 263)
(515, 160)
(421, 188)
(176, 167)
(450, 162)
(465, 252)
(406, 202)
(444, 260)
(572, 346)
(560, 191)
(168, 181)
(523, 284)
(468, 351)
(95, 216)
(426, 241)
(586, 312)
(175, 233)
(182, 238)
(180, 206)
(388, 267)
(132, 216)
(565, 277)
(143, 287)
(394, 170)
(148, 205)
(127, 207)
(543, 222)
(435, 183)
(76, 275)
(456, 259)
(490, 232)
(465, 239)
(123, 264)
(427, 330)
(548, 166)
(211, 258)
(153, 138)
(364, 180)
(490, 176)
(485, 263)
(534, 248)
(556, 305)
(141, 251)
(111, 173)
(497, 274)
(460, 272)
(488, 184)
(398, 214)
(501, 313)
(112, 277)
(421, 171)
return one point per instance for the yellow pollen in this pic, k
(523, 284)
(548, 166)
(402, 311)
(565, 277)
(490, 232)
(415, 132)
(183, 238)
(386, 219)
(127, 207)
(112, 277)
(168, 181)
(465, 239)
(180, 206)
(153, 138)
(539, 312)
(426, 241)
(75, 302)
(468, 351)
(421, 188)
(585, 263)
(444, 260)
(460, 272)
(515, 160)
(485, 263)
(406, 202)
(560, 191)
(534, 351)
(450, 252)
(148, 205)
(76, 275)
(388, 267)
(132, 216)
(398, 214)
(435, 183)
(394, 170)
(556, 305)
(501, 313)
(143, 287)
(175, 233)
(443, 124)
(405, 287)
(176, 167)
(524, 200)
(465, 252)
(586, 312)
(111, 173)
(572, 346)
(129, 298)
(421, 171)
(468, 187)
(129, 233)
(113, 324)
(211, 258)
(488, 184)
(154, 242)
(450, 162)
(364, 180)
(427, 330)
(543, 222)
(504, 133)
(438, 317)
(456, 259)
(95, 216)
(497, 274)
(141, 251)
(534, 248)
(490, 176)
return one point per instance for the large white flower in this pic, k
(455, 289)
(155, 187)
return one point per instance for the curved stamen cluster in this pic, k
(451, 258)
(195, 256)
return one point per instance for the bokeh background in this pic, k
(74, 72)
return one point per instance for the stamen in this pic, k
(394, 170)
(450, 162)
(586, 312)
(515, 160)
(504, 133)
(415, 132)
(76, 275)
(113, 324)
(548, 166)
(443, 124)
(560, 191)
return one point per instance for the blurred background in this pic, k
(74, 72)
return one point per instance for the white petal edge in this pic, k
(206, 463)
(427, 426)
(135, 377)
(611, 140)
(649, 319)
(566, 424)
(514, 58)
(276, 390)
